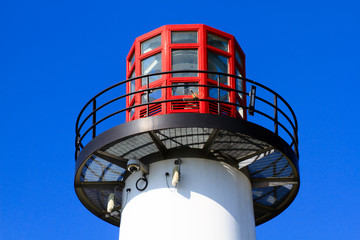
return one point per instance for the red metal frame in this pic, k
(167, 79)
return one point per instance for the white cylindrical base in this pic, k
(212, 201)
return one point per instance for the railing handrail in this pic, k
(79, 138)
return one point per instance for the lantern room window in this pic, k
(132, 112)
(217, 42)
(238, 58)
(132, 84)
(218, 63)
(185, 89)
(150, 44)
(132, 60)
(184, 59)
(239, 83)
(153, 96)
(184, 37)
(224, 95)
(151, 65)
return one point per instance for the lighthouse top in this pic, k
(186, 96)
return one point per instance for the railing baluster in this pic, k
(77, 145)
(276, 116)
(295, 143)
(147, 97)
(94, 119)
(218, 85)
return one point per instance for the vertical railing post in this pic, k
(276, 115)
(77, 145)
(94, 119)
(296, 143)
(147, 96)
(218, 85)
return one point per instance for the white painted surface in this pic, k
(212, 201)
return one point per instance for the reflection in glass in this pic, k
(239, 86)
(132, 59)
(218, 63)
(184, 60)
(132, 84)
(224, 95)
(150, 44)
(239, 82)
(154, 95)
(151, 65)
(132, 111)
(238, 59)
(184, 90)
(217, 42)
(184, 37)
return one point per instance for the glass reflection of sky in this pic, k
(217, 42)
(184, 59)
(184, 37)
(224, 95)
(154, 95)
(151, 65)
(150, 44)
(217, 63)
(184, 90)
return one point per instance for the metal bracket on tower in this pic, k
(176, 173)
(252, 95)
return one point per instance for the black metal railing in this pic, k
(118, 102)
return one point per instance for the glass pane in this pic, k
(184, 90)
(238, 59)
(132, 111)
(218, 63)
(151, 65)
(132, 84)
(184, 37)
(224, 95)
(239, 83)
(132, 59)
(217, 42)
(150, 44)
(154, 95)
(184, 60)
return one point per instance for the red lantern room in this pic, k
(173, 59)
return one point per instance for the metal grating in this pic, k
(137, 147)
(179, 137)
(271, 196)
(272, 165)
(237, 145)
(97, 169)
(99, 197)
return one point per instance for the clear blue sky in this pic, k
(55, 55)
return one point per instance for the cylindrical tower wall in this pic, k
(213, 200)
